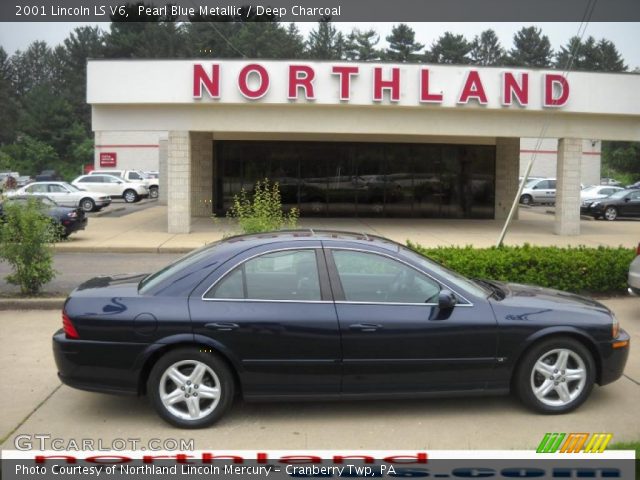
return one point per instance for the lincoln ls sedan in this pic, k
(316, 315)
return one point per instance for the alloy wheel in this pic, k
(190, 390)
(558, 377)
(130, 196)
(610, 213)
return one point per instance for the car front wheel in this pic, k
(611, 213)
(555, 376)
(190, 388)
(130, 196)
(526, 199)
(153, 192)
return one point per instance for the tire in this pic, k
(537, 369)
(610, 213)
(153, 192)
(130, 196)
(87, 204)
(526, 199)
(215, 375)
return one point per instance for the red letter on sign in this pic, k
(345, 80)
(473, 89)
(511, 87)
(392, 85)
(550, 81)
(425, 96)
(243, 83)
(211, 84)
(304, 81)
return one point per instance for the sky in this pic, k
(626, 36)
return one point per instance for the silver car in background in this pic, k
(634, 274)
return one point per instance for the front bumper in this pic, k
(107, 367)
(614, 355)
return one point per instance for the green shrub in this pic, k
(262, 211)
(574, 269)
(26, 235)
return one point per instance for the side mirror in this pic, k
(446, 299)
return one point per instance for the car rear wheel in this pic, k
(87, 204)
(130, 196)
(611, 213)
(526, 199)
(555, 376)
(190, 388)
(153, 192)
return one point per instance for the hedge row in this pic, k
(574, 269)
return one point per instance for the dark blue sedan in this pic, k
(318, 315)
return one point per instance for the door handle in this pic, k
(365, 327)
(223, 327)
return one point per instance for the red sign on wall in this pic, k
(108, 159)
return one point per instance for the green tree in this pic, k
(601, 56)
(531, 49)
(622, 160)
(9, 110)
(361, 45)
(486, 49)
(450, 49)
(33, 68)
(25, 243)
(402, 44)
(609, 58)
(29, 155)
(325, 42)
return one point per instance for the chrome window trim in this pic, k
(223, 276)
(467, 304)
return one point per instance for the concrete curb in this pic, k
(53, 303)
(108, 212)
(121, 249)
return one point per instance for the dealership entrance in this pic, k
(338, 179)
(357, 139)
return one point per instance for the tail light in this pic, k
(638, 250)
(69, 330)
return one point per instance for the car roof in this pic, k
(312, 234)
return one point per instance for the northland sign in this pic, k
(262, 83)
(382, 83)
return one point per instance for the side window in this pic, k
(368, 277)
(134, 176)
(288, 275)
(90, 179)
(110, 180)
(552, 184)
(56, 189)
(37, 188)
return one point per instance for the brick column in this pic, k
(163, 157)
(567, 221)
(507, 172)
(179, 182)
(201, 173)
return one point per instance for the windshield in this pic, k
(592, 189)
(150, 281)
(453, 278)
(530, 183)
(73, 188)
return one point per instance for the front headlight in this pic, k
(595, 204)
(615, 327)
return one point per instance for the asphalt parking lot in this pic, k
(32, 401)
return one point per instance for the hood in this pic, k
(110, 286)
(538, 297)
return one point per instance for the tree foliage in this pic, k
(530, 49)
(402, 44)
(486, 49)
(450, 49)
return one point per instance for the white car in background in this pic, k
(595, 192)
(133, 176)
(112, 186)
(65, 195)
(539, 190)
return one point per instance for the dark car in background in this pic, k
(328, 315)
(625, 203)
(69, 219)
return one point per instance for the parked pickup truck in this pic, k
(135, 176)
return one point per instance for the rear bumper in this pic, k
(614, 357)
(71, 226)
(106, 367)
